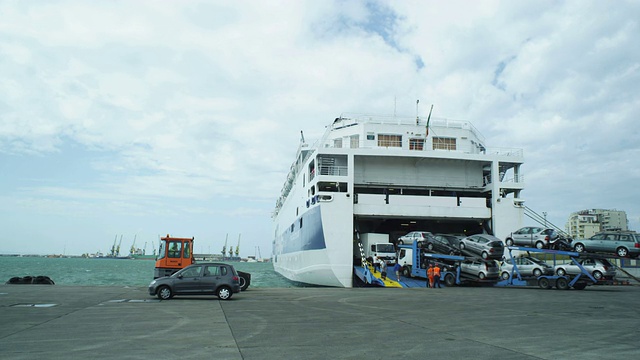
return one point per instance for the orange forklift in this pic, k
(174, 254)
(177, 253)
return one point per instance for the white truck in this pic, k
(378, 245)
(405, 259)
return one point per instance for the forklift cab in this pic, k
(174, 254)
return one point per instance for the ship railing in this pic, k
(349, 119)
(415, 146)
(505, 152)
(334, 170)
(517, 179)
(447, 181)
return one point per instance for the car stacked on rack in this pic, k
(526, 265)
(619, 243)
(480, 253)
(484, 245)
(483, 269)
(598, 268)
(531, 236)
(441, 244)
(409, 238)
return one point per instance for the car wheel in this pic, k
(579, 248)
(622, 252)
(430, 246)
(537, 272)
(164, 293)
(505, 275)
(406, 271)
(400, 242)
(485, 255)
(482, 276)
(509, 242)
(461, 246)
(539, 245)
(449, 280)
(562, 284)
(243, 283)
(579, 286)
(224, 293)
(597, 275)
(544, 283)
(561, 272)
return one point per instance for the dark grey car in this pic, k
(444, 244)
(217, 279)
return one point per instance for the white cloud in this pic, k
(196, 107)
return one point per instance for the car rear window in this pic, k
(495, 243)
(606, 262)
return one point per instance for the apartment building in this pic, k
(586, 223)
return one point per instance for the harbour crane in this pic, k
(224, 248)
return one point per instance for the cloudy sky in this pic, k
(143, 119)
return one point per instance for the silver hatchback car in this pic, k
(599, 268)
(531, 236)
(487, 246)
(623, 244)
(526, 265)
(414, 236)
(483, 269)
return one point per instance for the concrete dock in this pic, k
(68, 322)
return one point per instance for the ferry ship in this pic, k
(389, 175)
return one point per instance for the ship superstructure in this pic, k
(390, 175)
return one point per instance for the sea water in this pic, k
(116, 272)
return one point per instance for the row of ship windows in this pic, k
(384, 140)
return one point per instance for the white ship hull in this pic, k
(385, 175)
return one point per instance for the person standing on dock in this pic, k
(436, 276)
(430, 276)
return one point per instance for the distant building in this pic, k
(585, 223)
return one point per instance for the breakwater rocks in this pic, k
(42, 280)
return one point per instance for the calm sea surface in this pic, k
(115, 272)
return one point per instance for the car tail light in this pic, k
(636, 245)
(235, 278)
(491, 250)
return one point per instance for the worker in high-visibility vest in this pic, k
(430, 275)
(436, 276)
